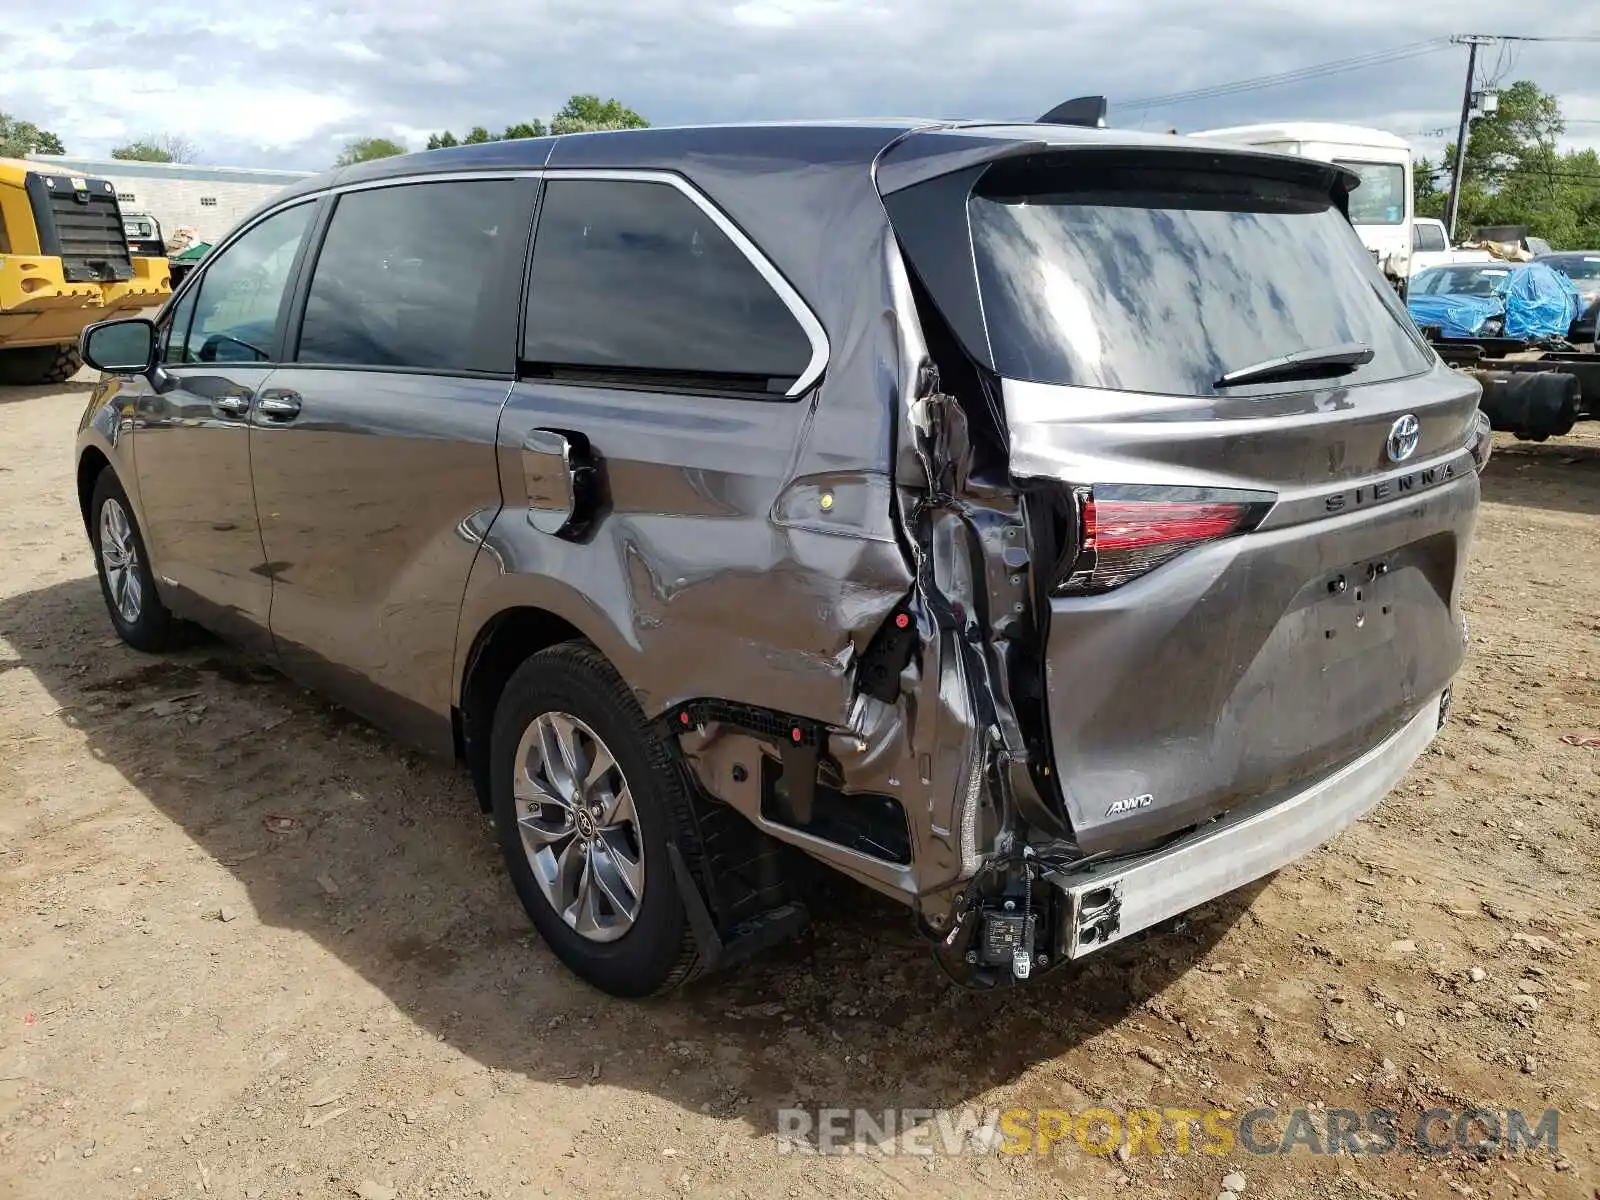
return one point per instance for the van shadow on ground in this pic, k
(853, 1014)
(70, 392)
(1562, 475)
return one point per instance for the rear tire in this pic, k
(33, 365)
(587, 849)
(126, 582)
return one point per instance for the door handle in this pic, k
(233, 404)
(565, 489)
(278, 405)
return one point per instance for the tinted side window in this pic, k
(634, 280)
(405, 275)
(236, 314)
(1429, 238)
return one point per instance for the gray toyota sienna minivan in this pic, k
(1049, 527)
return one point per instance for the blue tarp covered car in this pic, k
(1525, 301)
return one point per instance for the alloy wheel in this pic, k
(576, 817)
(119, 556)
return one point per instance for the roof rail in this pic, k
(1089, 111)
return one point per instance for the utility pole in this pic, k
(1473, 41)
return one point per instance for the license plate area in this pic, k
(1357, 609)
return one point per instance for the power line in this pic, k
(1340, 66)
(1528, 37)
(1316, 71)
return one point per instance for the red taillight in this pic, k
(1135, 525)
(1120, 539)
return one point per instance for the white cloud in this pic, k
(286, 83)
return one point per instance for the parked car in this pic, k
(1021, 520)
(1523, 301)
(1583, 268)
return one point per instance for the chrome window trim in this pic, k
(792, 300)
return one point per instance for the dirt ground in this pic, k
(252, 948)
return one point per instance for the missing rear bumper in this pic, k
(1105, 903)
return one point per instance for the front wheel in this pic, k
(586, 800)
(137, 613)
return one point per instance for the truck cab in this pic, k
(144, 235)
(1381, 209)
(1430, 247)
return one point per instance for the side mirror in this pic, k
(123, 347)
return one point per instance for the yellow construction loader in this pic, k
(64, 264)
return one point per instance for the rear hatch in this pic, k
(1249, 480)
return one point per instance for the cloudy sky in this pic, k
(280, 83)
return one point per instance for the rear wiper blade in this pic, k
(1302, 364)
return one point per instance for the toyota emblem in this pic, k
(1403, 437)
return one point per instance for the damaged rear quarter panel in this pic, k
(716, 570)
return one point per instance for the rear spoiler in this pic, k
(925, 154)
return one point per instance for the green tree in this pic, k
(1523, 129)
(141, 152)
(1430, 201)
(580, 114)
(586, 112)
(19, 138)
(365, 149)
(159, 147)
(1515, 174)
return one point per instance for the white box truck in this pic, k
(1381, 209)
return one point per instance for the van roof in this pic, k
(752, 148)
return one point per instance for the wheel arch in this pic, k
(91, 462)
(501, 644)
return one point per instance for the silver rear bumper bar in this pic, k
(1109, 901)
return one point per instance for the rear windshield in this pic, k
(1151, 280)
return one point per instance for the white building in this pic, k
(209, 200)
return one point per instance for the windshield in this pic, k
(1381, 198)
(1159, 280)
(1462, 281)
(1585, 267)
